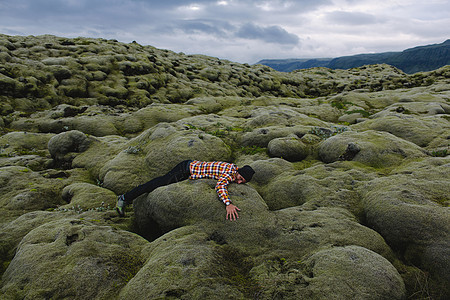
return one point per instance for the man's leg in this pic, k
(179, 173)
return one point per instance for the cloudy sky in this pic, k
(239, 30)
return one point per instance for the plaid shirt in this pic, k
(225, 173)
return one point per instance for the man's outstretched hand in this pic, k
(232, 214)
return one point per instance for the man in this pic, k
(225, 173)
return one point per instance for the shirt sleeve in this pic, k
(222, 188)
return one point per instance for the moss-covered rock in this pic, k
(64, 146)
(366, 275)
(163, 153)
(11, 233)
(32, 162)
(304, 231)
(86, 196)
(267, 169)
(419, 130)
(67, 258)
(71, 141)
(24, 143)
(289, 148)
(25, 149)
(23, 190)
(183, 264)
(319, 185)
(101, 150)
(262, 136)
(194, 202)
(410, 211)
(373, 148)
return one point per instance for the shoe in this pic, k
(120, 207)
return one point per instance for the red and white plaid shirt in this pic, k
(225, 173)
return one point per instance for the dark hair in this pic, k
(246, 172)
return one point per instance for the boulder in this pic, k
(195, 201)
(414, 108)
(267, 169)
(101, 150)
(351, 118)
(86, 196)
(289, 148)
(23, 190)
(163, 153)
(214, 104)
(372, 148)
(158, 113)
(155, 152)
(409, 210)
(23, 143)
(67, 142)
(72, 258)
(261, 137)
(324, 112)
(332, 185)
(32, 162)
(352, 272)
(184, 263)
(123, 171)
(92, 125)
(279, 116)
(12, 233)
(417, 129)
(303, 231)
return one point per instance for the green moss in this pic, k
(306, 163)
(235, 270)
(252, 150)
(360, 111)
(127, 265)
(445, 202)
(5, 256)
(340, 103)
(440, 153)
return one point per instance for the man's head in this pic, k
(245, 174)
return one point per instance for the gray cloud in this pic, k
(270, 34)
(212, 27)
(351, 18)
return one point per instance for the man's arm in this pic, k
(222, 188)
(222, 191)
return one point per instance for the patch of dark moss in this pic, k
(251, 150)
(340, 103)
(5, 256)
(420, 284)
(360, 111)
(235, 270)
(440, 153)
(127, 265)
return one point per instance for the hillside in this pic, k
(351, 183)
(418, 59)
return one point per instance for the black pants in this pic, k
(179, 173)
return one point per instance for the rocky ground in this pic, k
(349, 200)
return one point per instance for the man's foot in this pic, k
(120, 207)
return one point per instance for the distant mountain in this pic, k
(418, 59)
